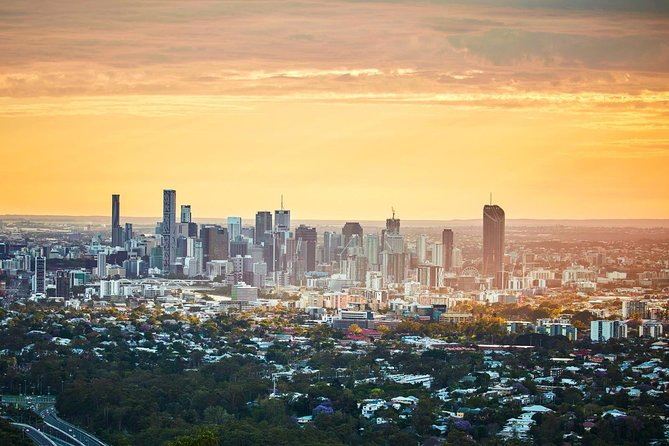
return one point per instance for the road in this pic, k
(38, 437)
(36, 401)
(82, 437)
(58, 441)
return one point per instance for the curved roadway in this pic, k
(35, 435)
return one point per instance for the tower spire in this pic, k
(282, 202)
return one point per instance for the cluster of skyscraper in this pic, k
(272, 249)
(119, 234)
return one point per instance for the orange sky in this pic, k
(347, 108)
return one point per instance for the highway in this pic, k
(58, 441)
(82, 437)
(38, 437)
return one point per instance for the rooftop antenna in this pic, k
(393, 208)
(282, 202)
(490, 198)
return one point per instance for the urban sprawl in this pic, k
(360, 333)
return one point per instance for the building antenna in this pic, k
(490, 198)
(282, 202)
(393, 208)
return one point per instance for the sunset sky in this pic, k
(560, 108)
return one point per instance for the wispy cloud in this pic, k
(263, 47)
(598, 109)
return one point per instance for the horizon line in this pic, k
(382, 219)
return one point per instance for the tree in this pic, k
(205, 437)
(423, 417)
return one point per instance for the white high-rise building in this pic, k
(602, 330)
(421, 248)
(438, 253)
(110, 288)
(331, 241)
(371, 250)
(105, 288)
(190, 246)
(190, 266)
(198, 253)
(457, 258)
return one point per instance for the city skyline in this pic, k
(334, 222)
(253, 218)
(559, 108)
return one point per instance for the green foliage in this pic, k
(11, 435)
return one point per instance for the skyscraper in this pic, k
(447, 240)
(186, 227)
(371, 250)
(281, 234)
(306, 239)
(392, 228)
(394, 243)
(62, 284)
(393, 224)
(102, 265)
(438, 253)
(234, 227)
(39, 279)
(198, 253)
(169, 228)
(185, 213)
(128, 233)
(182, 246)
(238, 248)
(350, 229)
(215, 243)
(116, 230)
(393, 266)
(421, 248)
(330, 245)
(263, 227)
(493, 241)
(282, 219)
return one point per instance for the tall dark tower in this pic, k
(39, 279)
(493, 242)
(116, 231)
(350, 229)
(282, 218)
(215, 243)
(169, 229)
(393, 225)
(263, 229)
(447, 240)
(307, 237)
